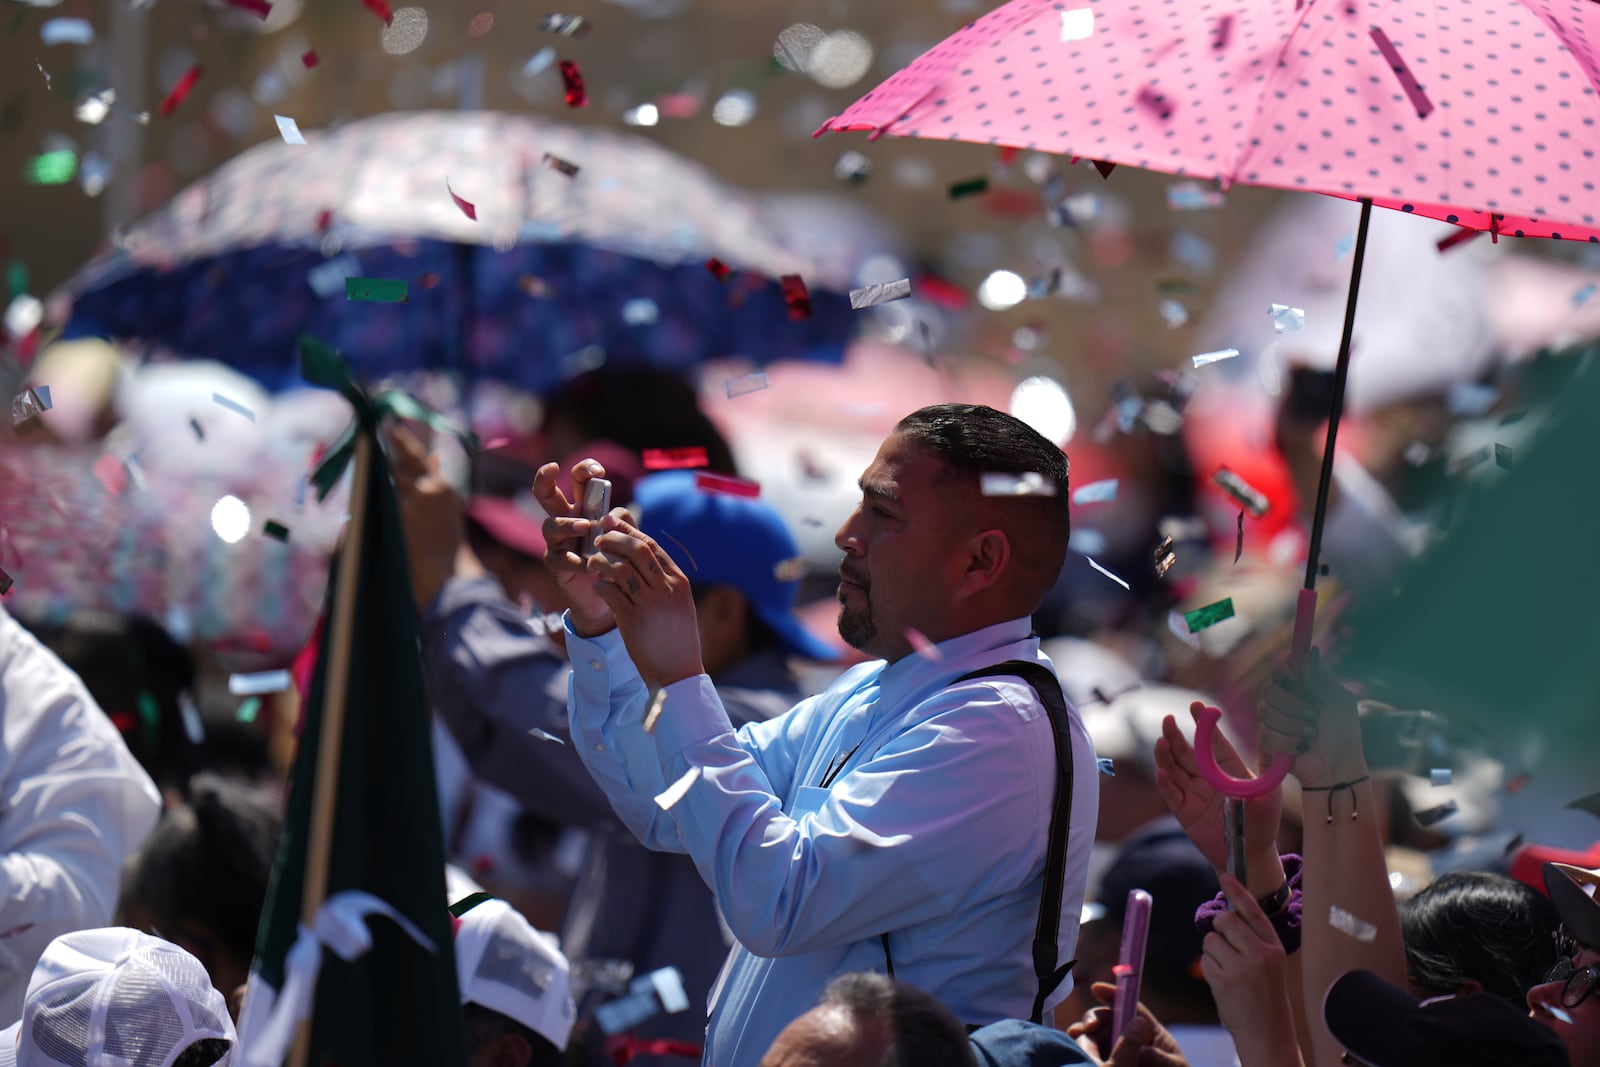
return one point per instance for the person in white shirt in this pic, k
(73, 804)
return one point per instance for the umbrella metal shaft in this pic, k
(1341, 373)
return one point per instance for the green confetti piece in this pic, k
(276, 530)
(16, 279)
(970, 187)
(52, 168)
(1210, 615)
(378, 290)
(249, 710)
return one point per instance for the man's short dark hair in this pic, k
(973, 440)
(485, 1025)
(923, 1032)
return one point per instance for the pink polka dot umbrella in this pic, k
(1481, 113)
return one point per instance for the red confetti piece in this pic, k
(1103, 167)
(1408, 81)
(1009, 154)
(112, 472)
(184, 87)
(1461, 236)
(796, 296)
(667, 459)
(324, 220)
(1517, 783)
(720, 270)
(309, 58)
(922, 646)
(467, 208)
(260, 7)
(380, 9)
(1122, 970)
(941, 292)
(572, 80)
(726, 485)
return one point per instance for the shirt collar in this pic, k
(914, 669)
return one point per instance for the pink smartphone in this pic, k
(1130, 963)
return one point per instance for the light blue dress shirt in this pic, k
(933, 830)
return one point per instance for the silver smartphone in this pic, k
(596, 502)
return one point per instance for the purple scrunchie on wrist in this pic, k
(1286, 921)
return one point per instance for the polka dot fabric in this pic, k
(1484, 113)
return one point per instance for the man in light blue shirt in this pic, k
(896, 821)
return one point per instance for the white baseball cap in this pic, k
(1126, 729)
(116, 998)
(506, 965)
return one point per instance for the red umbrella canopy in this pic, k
(1478, 112)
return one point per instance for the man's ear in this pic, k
(988, 559)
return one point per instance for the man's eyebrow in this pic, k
(879, 492)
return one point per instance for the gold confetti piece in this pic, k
(1356, 927)
(790, 570)
(1028, 483)
(669, 797)
(558, 164)
(658, 700)
(1165, 558)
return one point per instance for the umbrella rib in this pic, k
(1277, 63)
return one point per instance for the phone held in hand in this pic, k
(1310, 394)
(1130, 963)
(596, 502)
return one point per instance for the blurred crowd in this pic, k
(142, 759)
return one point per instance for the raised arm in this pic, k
(1350, 918)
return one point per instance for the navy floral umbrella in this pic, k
(502, 247)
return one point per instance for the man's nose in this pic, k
(845, 539)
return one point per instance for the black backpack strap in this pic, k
(1048, 931)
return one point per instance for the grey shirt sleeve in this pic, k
(493, 681)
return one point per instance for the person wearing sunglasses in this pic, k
(1564, 1001)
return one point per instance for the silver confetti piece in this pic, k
(653, 713)
(668, 798)
(245, 685)
(1101, 492)
(1218, 356)
(870, 295)
(29, 403)
(1351, 925)
(1439, 776)
(1029, 483)
(1106, 767)
(1435, 815)
(1243, 493)
(1105, 572)
(233, 405)
(746, 384)
(1286, 319)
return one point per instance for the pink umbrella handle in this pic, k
(1220, 780)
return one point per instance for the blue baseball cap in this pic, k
(718, 539)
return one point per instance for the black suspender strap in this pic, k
(1048, 929)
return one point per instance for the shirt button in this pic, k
(596, 664)
(599, 746)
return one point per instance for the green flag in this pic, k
(397, 1001)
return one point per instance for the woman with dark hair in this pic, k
(1473, 931)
